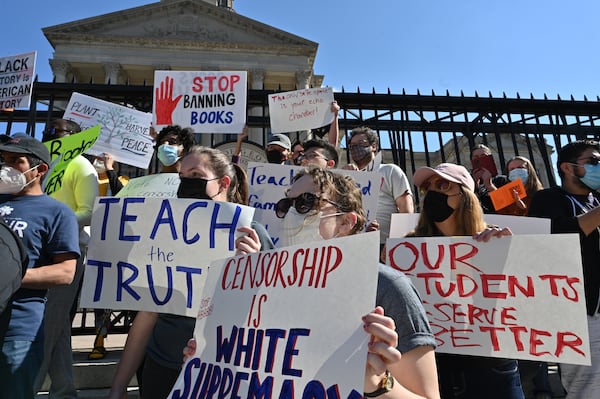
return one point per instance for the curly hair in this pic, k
(371, 135)
(185, 137)
(341, 189)
(220, 165)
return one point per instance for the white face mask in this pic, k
(12, 180)
(300, 228)
(99, 165)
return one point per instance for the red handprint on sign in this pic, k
(165, 103)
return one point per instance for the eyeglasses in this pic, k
(303, 204)
(439, 184)
(310, 156)
(364, 144)
(592, 161)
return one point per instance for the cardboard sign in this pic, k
(161, 185)
(404, 223)
(153, 254)
(503, 196)
(301, 109)
(16, 80)
(207, 102)
(125, 132)
(269, 182)
(518, 297)
(63, 151)
(261, 336)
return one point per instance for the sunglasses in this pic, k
(439, 185)
(303, 203)
(592, 160)
(310, 156)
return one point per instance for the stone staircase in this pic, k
(93, 377)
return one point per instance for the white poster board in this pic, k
(153, 254)
(517, 297)
(16, 80)
(125, 132)
(161, 185)
(403, 223)
(269, 183)
(206, 101)
(257, 301)
(303, 109)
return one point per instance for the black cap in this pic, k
(27, 145)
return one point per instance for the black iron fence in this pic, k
(414, 129)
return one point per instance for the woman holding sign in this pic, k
(321, 205)
(451, 208)
(521, 168)
(205, 173)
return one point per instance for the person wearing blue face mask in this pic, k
(520, 168)
(172, 143)
(574, 208)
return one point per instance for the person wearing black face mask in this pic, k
(279, 149)
(451, 208)
(206, 174)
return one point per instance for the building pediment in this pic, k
(185, 23)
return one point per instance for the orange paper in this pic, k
(503, 197)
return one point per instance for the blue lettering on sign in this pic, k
(165, 206)
(253, 201)
(256, 178)
(127, 218)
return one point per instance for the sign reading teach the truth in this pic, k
(518, 297)
(16, 80)
(153, 254)
(285, 323)
(125, 132)
(269, 182)
(300, 110)
(63, 151)
(208, 102)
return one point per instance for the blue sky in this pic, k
(537, 46)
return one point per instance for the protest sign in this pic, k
(162, 185)
(208, 102)
(285, 323)
(152, 254)
(16, 80)
(269, 182)
(63, 151)
(403, 223)
(300, 109)
(503, 196)
(518, 297)
(125, 132)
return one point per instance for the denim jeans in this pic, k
(500, 382)
(19, 365)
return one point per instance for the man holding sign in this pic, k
(573, 208)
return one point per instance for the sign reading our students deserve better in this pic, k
(153, 254)
(16, 80)
(285, 323)
(125, 132)
(300, 109)
(518, 297)
(206, 101)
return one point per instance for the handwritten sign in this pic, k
(269, 182)
(300, 109)
(503, 196)
(153, 254)
(63, 151)
(125, 132)
(518, 297)
(16, 80)
(162, 185)
(207, 102)
(261, 335)
(404, 223)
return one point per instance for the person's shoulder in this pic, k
(81, 164)
(391, 169)
(392, 276)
